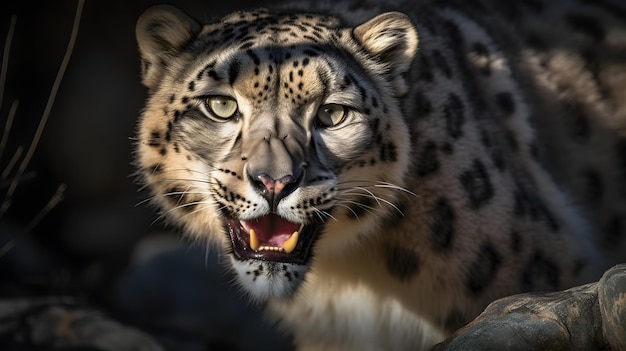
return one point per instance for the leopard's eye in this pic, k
(331, 114)
(222, 106)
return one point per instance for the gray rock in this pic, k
(56, 322)
(587, 317)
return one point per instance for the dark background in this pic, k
(100, 244)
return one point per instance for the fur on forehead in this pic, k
(246, 29)
(279, 18)
(389, 39)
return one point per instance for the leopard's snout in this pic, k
(275, 169)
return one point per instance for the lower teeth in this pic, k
(288, 246)
(270, 248)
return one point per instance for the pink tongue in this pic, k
(272, 229)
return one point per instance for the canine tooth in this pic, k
(290, 244)
(254, 240)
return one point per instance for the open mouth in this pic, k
(272, 238)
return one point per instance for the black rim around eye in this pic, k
(222, 106)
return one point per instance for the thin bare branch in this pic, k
(5, 56)
(12, 163)
(49, 104)
(52, 203)
(7, 126)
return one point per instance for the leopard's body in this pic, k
(430, 164)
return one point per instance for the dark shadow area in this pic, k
(101, 244)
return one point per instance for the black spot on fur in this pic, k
(442, 230)
(505, 102)
(423, 107)
(447, 148)
(212, 74)
(453, 113)
(402, 263)
(528, 204)
(374, 102)
(233, 72)
(497, 156)
(587, 25)
(540, 272)
(253, 56)
(524, 203)
(168, 133)
(483, 270)
(441, 63)
(388, 152)
(155, 139)
(476, 183)
(427, 161)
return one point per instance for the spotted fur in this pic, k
(478, 151)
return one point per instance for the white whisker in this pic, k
(377, 184)
(321, 214)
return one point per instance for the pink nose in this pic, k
(274, 186)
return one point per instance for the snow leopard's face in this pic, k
(271, 134)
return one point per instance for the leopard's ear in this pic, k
(391, 38)
(161, 32)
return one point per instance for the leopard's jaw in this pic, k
(271, 266)
(262, 280)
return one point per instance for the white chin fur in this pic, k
(263, 280)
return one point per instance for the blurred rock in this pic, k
(182, 295)
(56, 322)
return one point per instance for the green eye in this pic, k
(330, 115)
(222, 106)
